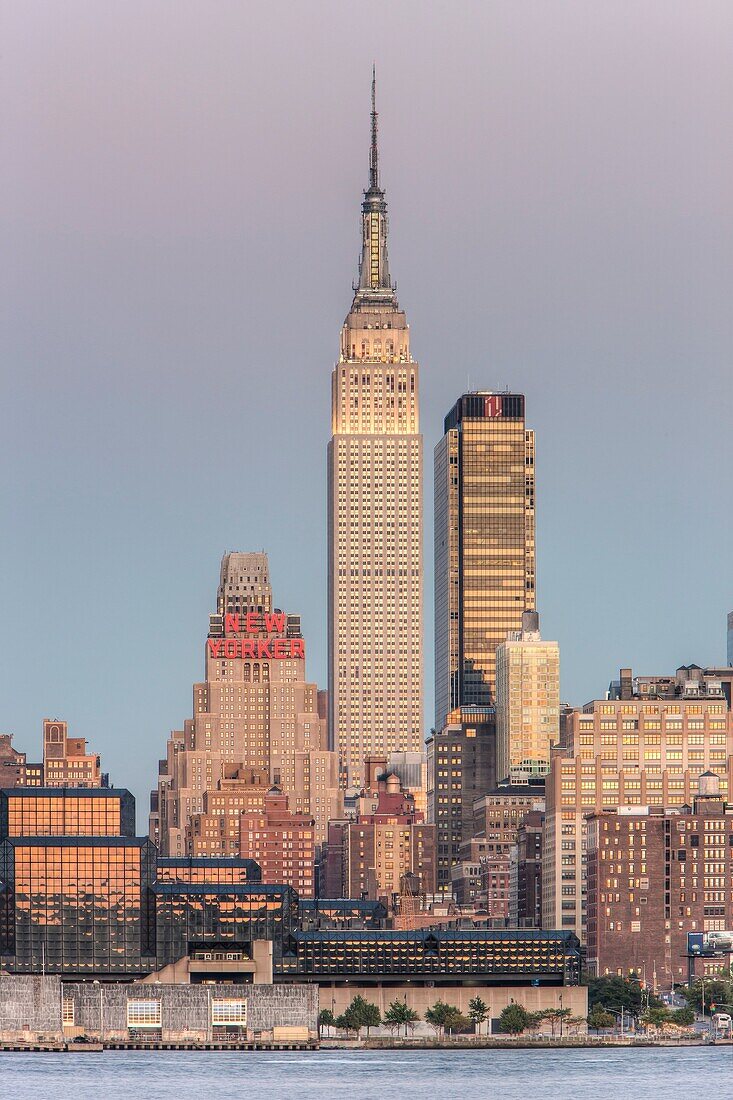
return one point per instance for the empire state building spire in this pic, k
(375, 609)
(374, 281)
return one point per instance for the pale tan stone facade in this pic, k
(631, 752)
(66, 762)
(375, 471)
(527, 703)
(254, 710)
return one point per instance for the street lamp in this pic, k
(702, 983)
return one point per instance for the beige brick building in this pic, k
(216, 830)
(527, 702)
(630, 751)
(254, 711)
(66, 762)
(387, 840)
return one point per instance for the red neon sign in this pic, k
(255, 649)
(253, 623)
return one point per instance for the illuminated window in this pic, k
(144, 1013)
(229, 1011)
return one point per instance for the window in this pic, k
(144, 1014)
(229, 1011)
(67, 1012)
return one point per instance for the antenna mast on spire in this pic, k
(373, 151)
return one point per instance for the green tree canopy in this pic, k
(615, 992)
(370, 1016)
(535, 1021)
(717, 991)
(398, 1015)
(478, 1011)
(658, 1016)
(599, 1019)
(556, 1017)
(455, 1021)
(514, 1019)
(359, 1014)
(326, 1018)
(437, 1013)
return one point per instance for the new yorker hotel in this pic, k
(255, 723)
(375, 515)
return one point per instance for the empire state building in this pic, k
(375, 471)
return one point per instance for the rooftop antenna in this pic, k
(374, 151)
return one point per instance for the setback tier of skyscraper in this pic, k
(375, 515)
(255, 723)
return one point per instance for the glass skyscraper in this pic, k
(484, 544)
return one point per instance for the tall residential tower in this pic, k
(484, 544)
(374, 514)
(527, 702)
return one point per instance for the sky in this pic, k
(179, 219)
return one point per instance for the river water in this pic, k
(615, 1074)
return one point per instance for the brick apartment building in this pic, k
(282, 843)
(497, 817)
(66, 762)
(372, 854)
(655, 875)
(216, 831)
(645, 745)
(525, 873)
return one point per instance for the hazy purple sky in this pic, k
(180, 221)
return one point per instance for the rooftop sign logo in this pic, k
(254, 623)
(493, 405)
(255, 649)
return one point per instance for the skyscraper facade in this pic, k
(375, 515)
(484, 544)
(461, 768)
(527, 702)
(254, 713)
